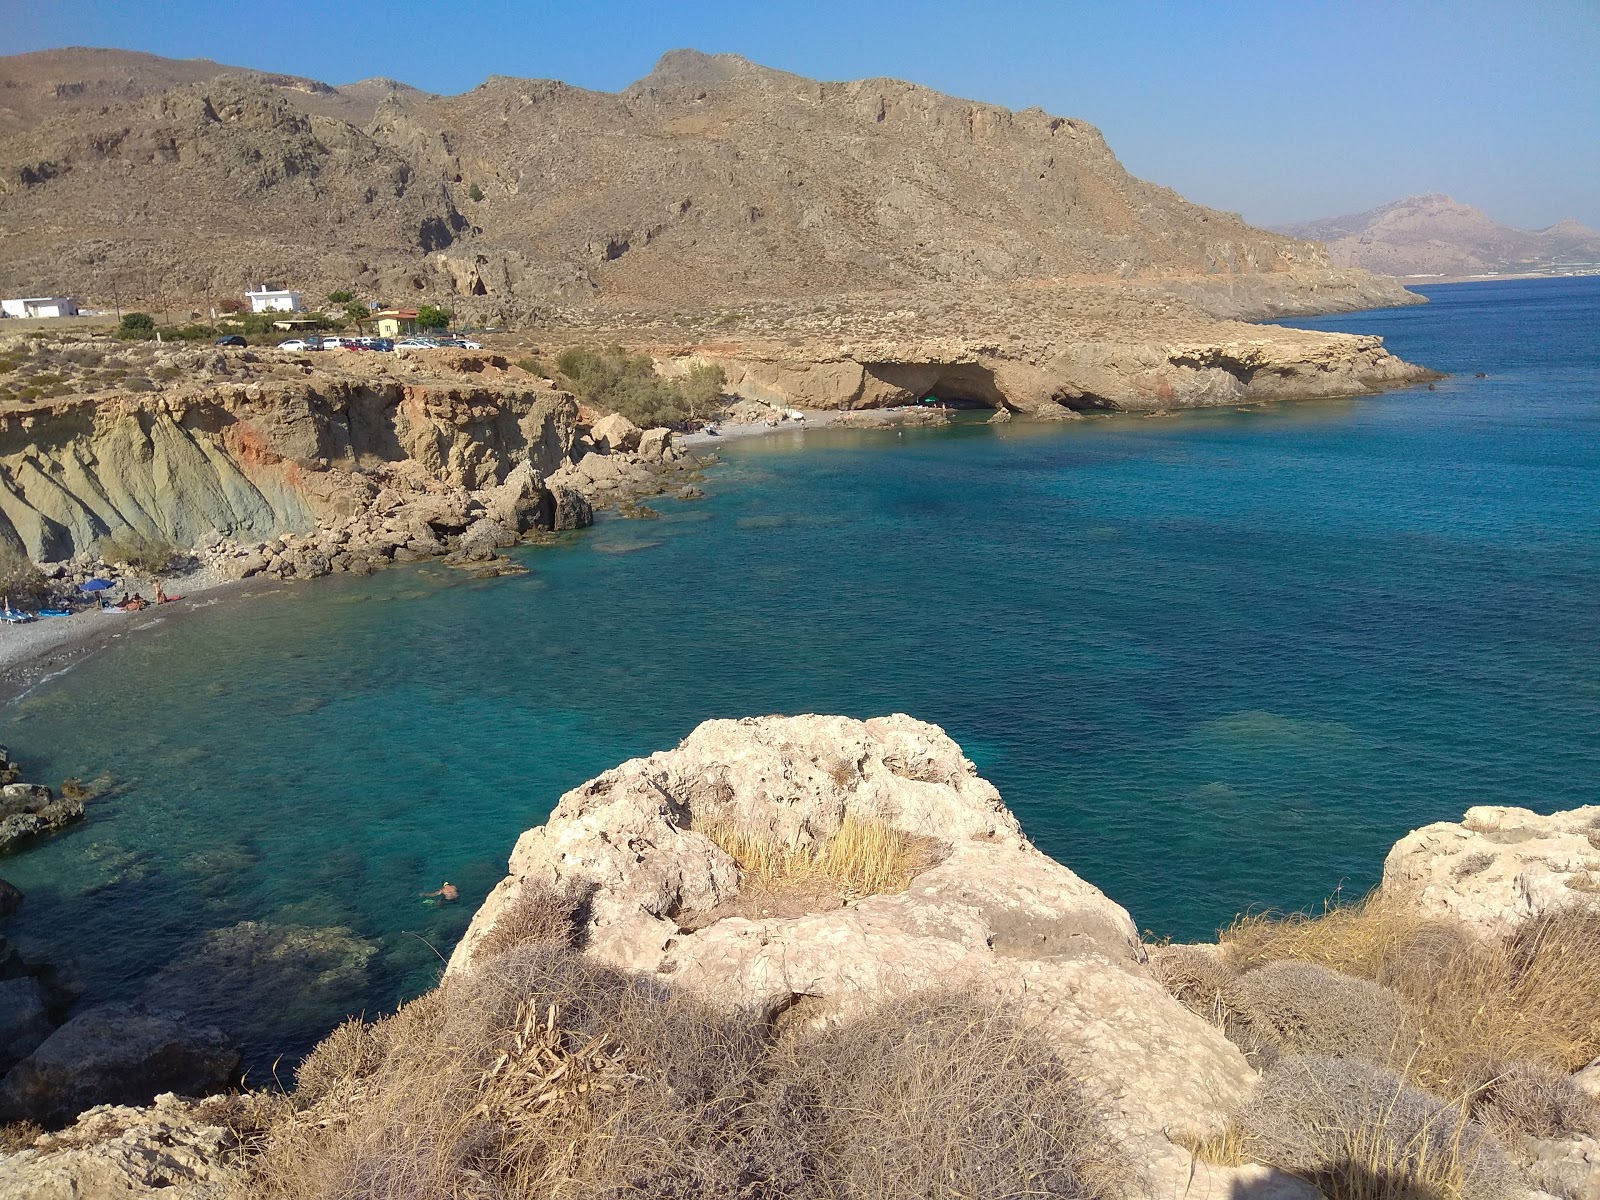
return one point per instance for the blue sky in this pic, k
(1280, 110)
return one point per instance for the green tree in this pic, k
(341, 297)
(356, 313)
(430, 317)
(702, 388)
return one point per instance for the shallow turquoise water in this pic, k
(1215, 661)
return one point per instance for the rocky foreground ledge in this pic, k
(739, 874)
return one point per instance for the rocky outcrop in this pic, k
(1056, 379)
(175, 1149)
(259, 458)
(1498, 866)
(992, 914)
(119, 1054)
(26, 811)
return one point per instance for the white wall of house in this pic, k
(265, 301)
(40, 306)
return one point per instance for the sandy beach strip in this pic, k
(39, 649)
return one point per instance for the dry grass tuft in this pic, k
(538, 914)
(1303, 1008)
(1531, 1099)
(1531, 996)
(1222, 1148)
(862, 858)
(1360, 1132)
(543, 1073)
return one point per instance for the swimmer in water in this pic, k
(448, 893)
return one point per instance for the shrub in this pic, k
(615, 381)
(136, 325)
(1533, 1100)
(1301, 1008)
(341, 297)
(538, 914)
(1359, 1132)
(138, 551)
(534, 366)
(475, 194)
(1531, 995)
(545, 1073)
(21, 582)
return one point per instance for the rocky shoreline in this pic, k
(656, 871)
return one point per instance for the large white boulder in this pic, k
(994, 915)
(1498, 866)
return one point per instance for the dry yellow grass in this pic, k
(863, 858)
(1533, 995)
(1222, 1148)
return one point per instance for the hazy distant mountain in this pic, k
(1435, 235)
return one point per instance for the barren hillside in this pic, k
(710, 181)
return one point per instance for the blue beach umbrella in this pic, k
(96, 585)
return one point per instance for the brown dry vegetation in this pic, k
(1371, 1013)
(545, 1074)
(864, 857)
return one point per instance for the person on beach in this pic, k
(448, 893)
(161, 593)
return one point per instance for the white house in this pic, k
(264, 301)
(40, 306)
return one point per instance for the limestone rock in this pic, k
(521, 502)
(994, 915)
(1499, 866)
(29, 809)
(1566, 1166)
(613, 433)
(655, 445)
(116, 1054)
(174, 1149)
(1588, 1080)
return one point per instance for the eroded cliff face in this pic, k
(258, 459)
(1061, 380)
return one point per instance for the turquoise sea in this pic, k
(1214, 662)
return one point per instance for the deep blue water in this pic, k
(1214, 662)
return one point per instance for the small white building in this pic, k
(40, 306)
(263, 300)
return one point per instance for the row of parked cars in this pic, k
(316, 342)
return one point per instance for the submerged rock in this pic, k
(116, 1054)
(11, 898)
(227, 974)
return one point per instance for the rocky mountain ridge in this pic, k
(710, 180)
(1434, 235)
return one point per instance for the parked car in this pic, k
(416, 343)
(232, 339)
(301, 344)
